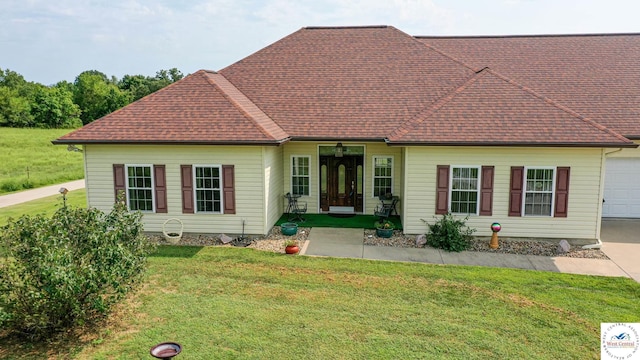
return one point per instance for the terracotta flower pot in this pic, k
(294, 249)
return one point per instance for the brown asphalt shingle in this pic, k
(492, 109)
(378, 83)
(596, 75)
(197, 109)
(354, 83)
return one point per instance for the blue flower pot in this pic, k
(289, 228)
(384, 233)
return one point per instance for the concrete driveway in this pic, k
(621, 242)
(39, 193)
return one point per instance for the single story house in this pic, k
(534, 132)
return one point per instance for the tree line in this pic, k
(70, 105)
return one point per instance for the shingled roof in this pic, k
(363, 84)
(345, 83)
(489, 107)
(596, 75)
(202, 108)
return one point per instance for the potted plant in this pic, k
(291, 246)
(384, 228)
(289, 228)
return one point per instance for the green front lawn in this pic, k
(231, 303)
(46, 206)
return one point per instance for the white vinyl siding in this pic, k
(273, 184)
(464, 190)
(208, 188)
(382, 175)
(140, 188)
(300, 173)
(584, 204)
(249, 173)
(538, 191)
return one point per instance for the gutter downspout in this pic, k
(598, 244)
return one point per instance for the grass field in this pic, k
(46, 206)
(29, 160)
(231, 303)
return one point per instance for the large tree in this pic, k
(91, 96)
(54, 108)
(15, 110)
(140, 86)
(97, 96)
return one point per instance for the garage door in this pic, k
(622, 188)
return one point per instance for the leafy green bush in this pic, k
(449, 233)
(68, 270)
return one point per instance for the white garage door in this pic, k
(622, 188)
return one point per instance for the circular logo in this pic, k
(619, 341)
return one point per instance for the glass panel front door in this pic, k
(341, 182)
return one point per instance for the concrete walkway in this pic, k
(349, 243)
(621, 243)
(28, 195)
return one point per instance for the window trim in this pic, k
(153, 187)
(373, 173)
(478, 187)
(553, 190)
(291, 166)
(195, 188)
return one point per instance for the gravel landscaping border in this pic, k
(274, 241)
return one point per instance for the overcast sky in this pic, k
(47, 41)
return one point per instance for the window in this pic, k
(208, 189)
(538, 194)
(464, 190)
(300, 175)
(382, 175)
(140, 187)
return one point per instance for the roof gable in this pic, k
(202, 108)
(597, 75)
(348, 83)
(490, 109)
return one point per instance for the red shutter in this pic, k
(119, 180)
(515, 193)
(187, 189)
(442, 190)
(160, 183)
(486, 191)
(562, 192)
(228, 188)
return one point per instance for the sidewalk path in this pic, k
(33, 194)
(349, 243)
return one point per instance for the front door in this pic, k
(341, 182)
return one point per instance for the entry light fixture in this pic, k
(339, 150)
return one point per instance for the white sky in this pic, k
(47, 41)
